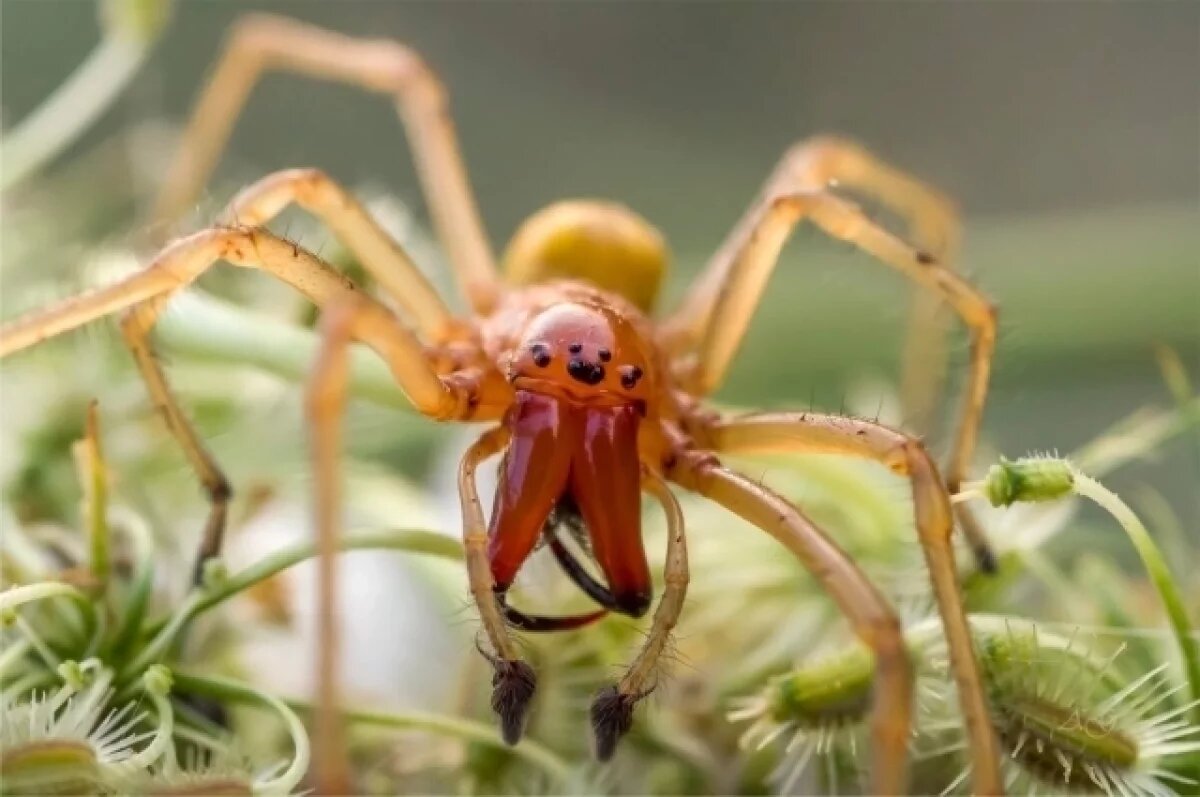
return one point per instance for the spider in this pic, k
(590, 400)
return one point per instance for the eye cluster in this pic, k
(585, 370)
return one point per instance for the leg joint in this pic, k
(885, 631)
(219, 490)
(697, 463)
(461, 399)
(136, 320)
(915, 451)
(308, 182)
(819, 158)
(885, 637)
(398, 68)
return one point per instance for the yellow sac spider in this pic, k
(591, 399)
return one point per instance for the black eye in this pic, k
(604, 354)
(575, 348)
(541, 354)
(630, 374)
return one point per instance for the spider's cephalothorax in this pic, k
(590, 400)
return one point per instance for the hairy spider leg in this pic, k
(380, 255)
(182, 262)
(828, 162)
(612, 708)
(325, 406)
(868, 611)
(905, 456)
(738, 275)
(259, 43)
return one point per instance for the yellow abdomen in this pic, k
(603, 243)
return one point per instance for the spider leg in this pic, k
(513, 682)
(262, 42)
(867, 610)
(905, 456)
(741, 271)
(325, 399)
(377, 251)
(612, 710)
(454, 397)
(823, 162)
(136, 323)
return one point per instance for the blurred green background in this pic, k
(1069, 133)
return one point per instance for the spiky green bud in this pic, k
(1028, 479)
(835, 689)
(158, 680)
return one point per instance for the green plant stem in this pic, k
(215, 736)
(99, 633)
(457, 727)
(238, 692)
(163, 734)
(199, 738)
(34, 680)
(163, 639)
(25, 563)
(409, 540)
(49, 657)
(13, 653)
(93, 478)
(138, 599)
(202, 326)
(1157, 570)
(72, 108)
(13, 597)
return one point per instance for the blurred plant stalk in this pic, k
(130, 29)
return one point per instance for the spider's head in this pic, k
(582, 380)
(583, 355)
(604, 243)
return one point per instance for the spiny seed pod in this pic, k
(835, 690)
(48, 766)
(1068, 721)
(1065, 717)
(59, 742)
(1028, 479)
(218, 773)
(822, 705)
(203, 787)
(1061, 736)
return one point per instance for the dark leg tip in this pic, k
(513, 685)
(985, 559)
(612, 717)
